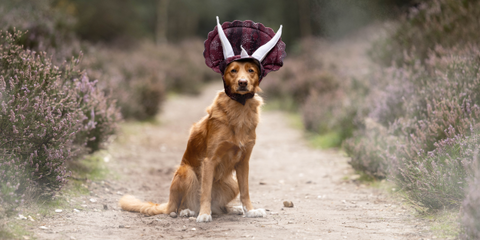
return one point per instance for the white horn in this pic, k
(227, 47)
(262, 51)
(244, 52)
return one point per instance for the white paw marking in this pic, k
(187, 213)
(256, 213)
(204, 218)
(238, 210)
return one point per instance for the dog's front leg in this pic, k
(205, 214)
(242, 169)
(208, 172)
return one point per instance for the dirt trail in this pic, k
(282, 168)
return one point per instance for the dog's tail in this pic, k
(132, 204)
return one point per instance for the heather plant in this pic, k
(322, 95)
(301, 75)
(451, 24)
(440, 178)
(470, 219)
(437, 118)
(138, 78)
(49, 114)
(369, 148)
(47, 26)
(428, 100)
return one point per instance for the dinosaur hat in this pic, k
(238, 40)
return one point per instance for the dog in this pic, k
(220, 144)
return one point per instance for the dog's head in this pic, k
(242, 77)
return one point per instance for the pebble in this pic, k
(193, 229)
(192, 219)
(288, 204)
(43, 227)
(21, 217)
(30, 218)
(93, 200)
(290, 222)
(58, 210)
(76, 210)
(173, 214)
(105, 206)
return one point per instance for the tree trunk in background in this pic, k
(304, 18)
(162, 20)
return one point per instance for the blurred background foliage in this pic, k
(408, 111)
(130, 20)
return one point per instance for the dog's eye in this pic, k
(233, 71)
(250, 70)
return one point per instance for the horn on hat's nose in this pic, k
(244, 53)
(227, 47)
(262, 51)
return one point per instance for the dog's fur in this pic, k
(219, 144)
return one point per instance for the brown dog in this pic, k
(219, 144)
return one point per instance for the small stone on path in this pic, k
(288, 204)
(173, 214)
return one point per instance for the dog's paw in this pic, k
(236, 210)
(204, 218)
(256, 213)
(187, 213)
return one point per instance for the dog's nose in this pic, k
(242, 83)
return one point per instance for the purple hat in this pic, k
(244, 40)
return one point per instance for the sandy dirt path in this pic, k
(283, 168)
